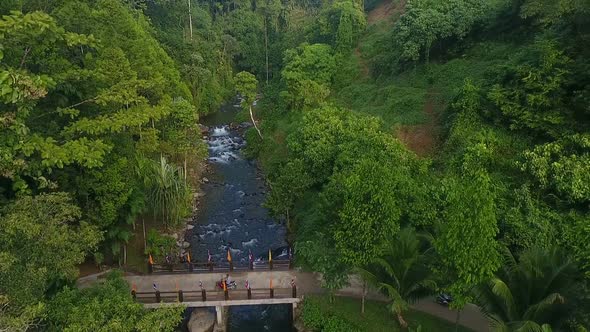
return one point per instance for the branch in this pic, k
(254, 122)
(71, 106)
(22, 61)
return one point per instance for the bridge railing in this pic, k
(206, 267)
(213, 295)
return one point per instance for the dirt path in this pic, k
(423, 139)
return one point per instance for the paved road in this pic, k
(307, 283)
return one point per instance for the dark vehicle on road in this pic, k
(444, 299)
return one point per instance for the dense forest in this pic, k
(424, 145)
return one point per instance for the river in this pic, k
(231, 216)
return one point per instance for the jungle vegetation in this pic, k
(443, 141)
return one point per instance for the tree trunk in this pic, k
(185, 170)
(254, 122)
(288, 221)
(144, 238)
(457, 320)
(402, 321)
(266, 47)
(190, 19)
(363, 297)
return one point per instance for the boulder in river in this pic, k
(189, 227)
(185, 245)
(204, 129)
(201, 320)
(205, 180)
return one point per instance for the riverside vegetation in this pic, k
(437, 146)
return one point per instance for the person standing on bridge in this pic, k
(228, 279)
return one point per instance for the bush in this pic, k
(318, 320)
(159, 244)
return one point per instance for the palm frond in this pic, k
(537, 310)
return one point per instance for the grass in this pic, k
(377, 317)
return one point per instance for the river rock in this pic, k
(185, 245)
(201, 320)
(205, 180)
(189, 227)
(204, 129)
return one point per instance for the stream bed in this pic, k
(231, 216)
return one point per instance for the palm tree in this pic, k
(534, 293)
(168, 191)
(402, 272)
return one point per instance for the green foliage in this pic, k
(426, 22)
(158, 245)
(42, 240)
(402, 271)
(246, 85)
(308, 73)
(168, 191)
(563, 166)
(340, 25)
(539, 288)
(376, 317)
(315, 318)
(289, 186)
(533, 95)
(105, 307)
(466, 241)
(367, 209)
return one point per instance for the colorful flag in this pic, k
(208, 256)
(270, 283)
(154, 286)
(247, 285)
(224, 285)
(188, 257)
(228, 255)
(151, 260)
(269, 256)
(250, 256)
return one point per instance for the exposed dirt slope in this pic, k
(385, 10)
(423, 138)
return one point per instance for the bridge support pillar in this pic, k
(219, 312)
(294, 311)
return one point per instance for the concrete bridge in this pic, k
(200, 290)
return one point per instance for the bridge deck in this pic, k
(217, 297)
(197, 304)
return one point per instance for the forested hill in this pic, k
(425, 145)
(440, 143)
(99, 109)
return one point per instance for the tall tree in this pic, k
(466, 241)
(247, 87)
(42, 240)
